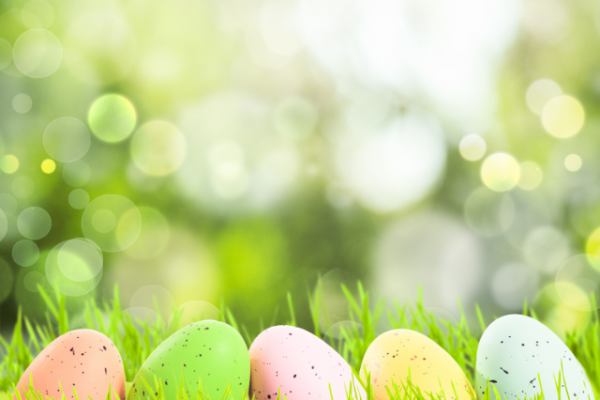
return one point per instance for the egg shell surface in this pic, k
(299, 364)
(515, 348)
(83, 359)
(208, 351)
(393, 353)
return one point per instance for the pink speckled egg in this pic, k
(82, 359)
(299, 364)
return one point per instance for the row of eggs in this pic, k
(290, 361)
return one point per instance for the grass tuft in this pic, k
(136, 339)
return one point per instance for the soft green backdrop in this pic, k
(207, 152)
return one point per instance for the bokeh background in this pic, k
(210, 152)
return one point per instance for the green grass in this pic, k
(137, 339)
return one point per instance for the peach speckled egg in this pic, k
(82, 359)
(393, 353)
(299, 364)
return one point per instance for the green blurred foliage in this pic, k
(281, 181)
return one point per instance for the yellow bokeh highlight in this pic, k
(574, 296)
(556, 314)
(592, 249)
(48, 166)
(573, 162)
(563, 116)
(500, 172)
(9, 164)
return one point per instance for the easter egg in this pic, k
(209, 353)
(84, 360)
(299, 365)
(393, 353)
(515, 348)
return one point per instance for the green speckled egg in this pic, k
(210, 351)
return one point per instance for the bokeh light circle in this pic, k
(32, 305)
(34, 223)
(65, 285)
(276, 167)
(3, 225)
(104, 220)
(25, 253)
(37, 14)
(9, 164)
(577, 280)
(532, 209)
(142, 317)
(573, 162)
(295, 118)
(563, 116)
(154, 235)
(7, 280)
(8, 204)
(555, 314)
(37, 53)
(79, 199)
(150, 296)
(5, 53)
(23, 187)
(66, 139)
(329, 292)
(22, 103)
(472, 147)
(489, 213)
(592, 248)
(258, 166)
(192, 311)
(403, 255)
(32, 280)
(584, 209)
(540, 92)
(375, 167)
(80, 260)
(531, 175)
(229, 175)
(48, 166)
(512, 284)
(158, 148)
(546, 248)
(500, 172)
(112, 118)
(77, 173)
(344, 329)
(112, 235)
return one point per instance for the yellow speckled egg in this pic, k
(393, 353)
